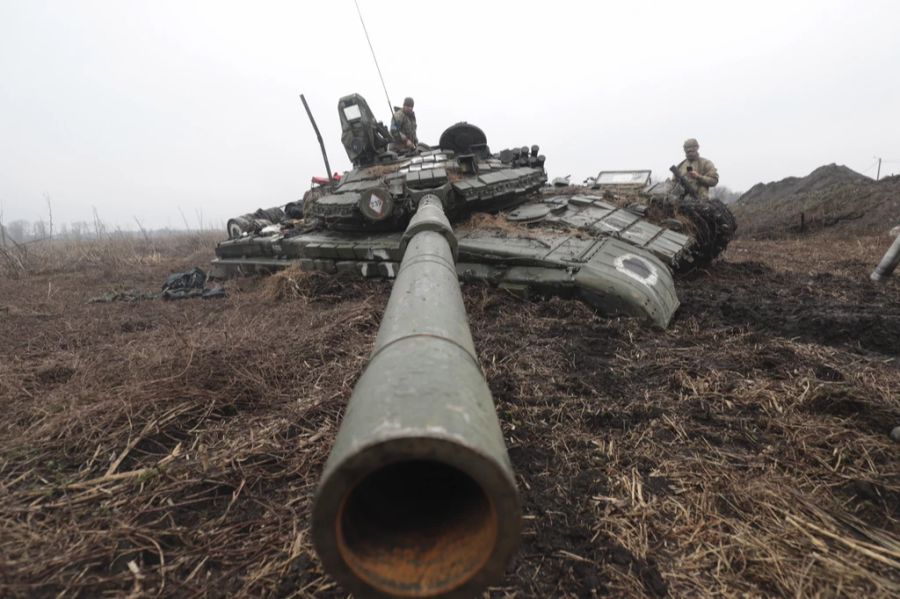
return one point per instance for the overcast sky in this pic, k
(142, 109)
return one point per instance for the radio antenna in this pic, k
(318, 135)
(359, 12)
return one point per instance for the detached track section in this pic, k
(714, 227)
(743, 451)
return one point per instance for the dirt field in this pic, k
(172, 448)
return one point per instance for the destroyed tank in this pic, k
(418, 496)
(512, 230)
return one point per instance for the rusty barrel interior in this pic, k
(416, 528)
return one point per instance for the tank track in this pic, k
(714, 227)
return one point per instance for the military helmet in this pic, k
(691, 143)
(408, 102)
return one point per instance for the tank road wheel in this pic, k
(238, 226)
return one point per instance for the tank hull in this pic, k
(569, 246)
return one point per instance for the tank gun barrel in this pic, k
(888, 262)
(418, 496)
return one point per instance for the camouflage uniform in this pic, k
(707, 177)
(403, 125)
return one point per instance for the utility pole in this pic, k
(878, 173)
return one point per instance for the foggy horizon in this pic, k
(163, 112)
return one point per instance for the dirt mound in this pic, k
(831, 199)
(824, 176)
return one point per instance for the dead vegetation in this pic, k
(107, 251)
(172, 449)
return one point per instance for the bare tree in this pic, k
(2, 228)
(724, 194)
(50, 215)
(79, 229)
(39, 230)
(99, 228)
(16, 230)
(14, 255)
(142, 230)
(187, 227)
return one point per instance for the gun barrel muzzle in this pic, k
(888, 262)
(418, 496)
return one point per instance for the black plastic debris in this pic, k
(180, 285)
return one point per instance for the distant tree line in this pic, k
(23, 231)
(725, 194)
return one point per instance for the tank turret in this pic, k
(512, 230)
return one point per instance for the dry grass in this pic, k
(109, 252)
(495, 222)
(172, 449)
(166, 445)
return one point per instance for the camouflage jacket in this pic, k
(403, 125)
(708, 175)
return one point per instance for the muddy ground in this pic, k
(172, 448)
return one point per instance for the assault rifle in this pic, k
(686, 185)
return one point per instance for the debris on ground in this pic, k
(180, 285)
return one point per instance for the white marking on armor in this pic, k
(390, 270)
(649, 280)
(365, 269)
(380, 254)
(376, 204)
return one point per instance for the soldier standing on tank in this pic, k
(699, 171)
(403, 125)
